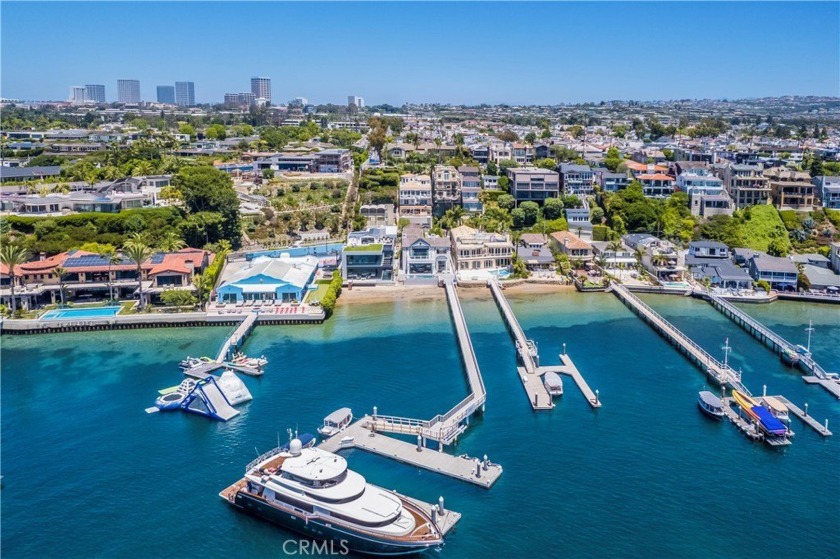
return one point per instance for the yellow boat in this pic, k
(746, 403)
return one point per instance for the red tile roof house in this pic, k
(88, 276)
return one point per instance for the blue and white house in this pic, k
(266, 278)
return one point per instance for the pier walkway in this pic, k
(764, 334)
(723, 374)
(362, 435)
(820, 428)
(830, 385)
(531, 373)
(445, 428)
(238, 336)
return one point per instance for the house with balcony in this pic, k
(415, 199)
(470, 189)
(611, 182)
(712, 261)
(659, 257)
(572, 246)
(424, 256)
(369, 262)
(828, 191)
(780, 273)
(490, 182)
(746, 184)
(656, 185)
(475, 250)
(523, 154)
(576, 179)
(533, 184)
(446, 189)
(791, 189)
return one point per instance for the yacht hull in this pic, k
(320, 529)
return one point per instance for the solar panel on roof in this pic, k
(158, 258)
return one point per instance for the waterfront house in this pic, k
(446, 189)
(378, 214)
(470, 189)
(621, 258)
(478, 250)
(284, 278)
(424, 256)
(13, 174)
(712, 260)
(659, 257)
(780, 273)
(533, 249)
(533, 184)
(572, 246)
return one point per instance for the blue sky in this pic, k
(426, 52)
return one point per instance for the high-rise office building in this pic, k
(299, 102)
(240, 99)
(77, 94)
(353, 101)
(184, 94)
(261, 88)
(166, 94)
(95, 93)
(128, 92)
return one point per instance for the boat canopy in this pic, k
(769, 421)
(338, 416)
(775, 405)
(552, 380)
(711, 400)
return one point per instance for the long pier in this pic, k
(363, 435)
(767, 336)
(530, 374)
(445, 428)
(723, 374)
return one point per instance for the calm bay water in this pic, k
(88, 473)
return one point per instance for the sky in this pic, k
(459, 53)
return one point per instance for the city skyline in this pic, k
(521, 53)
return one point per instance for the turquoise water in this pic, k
(80, 314)
(87, 472)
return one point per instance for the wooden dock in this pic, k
(748, 428)
(769, 338)
(458, 467)
(723, 374)
(831, 386)
(568, 368)
(235, 340)
(820, 428)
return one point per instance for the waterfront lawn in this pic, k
(320, 293)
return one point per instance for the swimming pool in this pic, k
(80, 314)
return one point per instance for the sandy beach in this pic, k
(389, 293)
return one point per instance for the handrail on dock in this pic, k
(516, 328)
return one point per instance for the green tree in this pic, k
(577, 131)
(596, 215)
(518, 215)
(553, 208)
(531, 211)
(13, 256)
(216, 132)
(377, 140)
(61, 273)
(177, 298)
(138, 252)
(530, 138)
(186, 128)
(206, 189)
(171, 242)
(546, 163)
(506, 202)
(508, 136)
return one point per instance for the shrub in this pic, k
(763, 284)
(177, 298)
(601, 233)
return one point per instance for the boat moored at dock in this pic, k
(313, 492)
(766, 421)
(789, 357)
(553, 383)
(710, 404)
(336, 422)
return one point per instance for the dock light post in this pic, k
(374, 412)
(764, 390)
(440, 506)
(564, 348)
(486, 462)
(419, 443)
(826, 424)
(806, 409)
(597, 396)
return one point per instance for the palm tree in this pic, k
(13, 256)
(60, 272)
(113, 258)
(615, 246)
(171, 242)
(139, 252)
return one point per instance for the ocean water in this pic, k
(88, 473)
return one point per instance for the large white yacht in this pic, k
(313, 492)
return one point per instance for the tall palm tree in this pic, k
(139, 252)
(171, 242)
(13, 256)
(60, 272)
(113, 258)
(615, 246)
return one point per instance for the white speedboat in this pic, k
(336, 422)
(313, 492)
(553, 383)
(253, 362)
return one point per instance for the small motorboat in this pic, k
(173, 400)
(802, 350)
(253, 362)
(553, 383)
(336, 422)
(789, 357)
(710, 404)
(189, 363)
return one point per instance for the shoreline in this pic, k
(393, 293)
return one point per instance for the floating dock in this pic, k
(820, 428)
(722, 373)
(530, 373)
(831, 386)
(769, 338)
(364, 437)
(749, 429)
